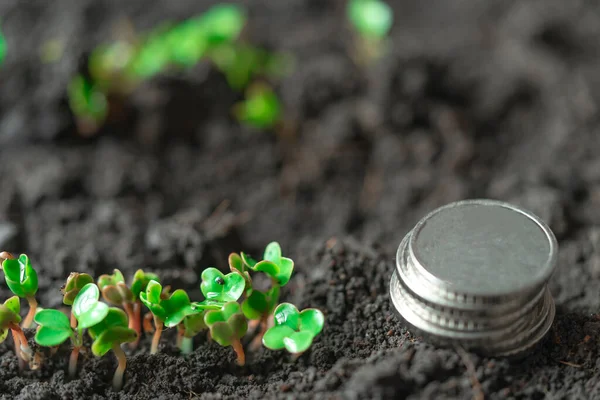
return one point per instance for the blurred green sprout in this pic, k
(2, 48)
(372, 20)
(261, 108)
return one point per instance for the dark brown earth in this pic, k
(492, 99)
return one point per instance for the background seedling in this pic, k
(54, 329)
(75, 282)
(169, 311)
(227, 326)
(279, 268)
(260, 109)
(115, 292)
(22, 280)
(293, 330)
(2, 48)
(9, 320)
(139, 285)
(372, 20)
(88, 103)
(109, 334)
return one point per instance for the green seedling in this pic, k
(279, 268)
(139, 285)
(2, 48)
(191, 326)
(223, 23)
(261, 108)
(88, 103)
(167, 312)
(54, 329)
(87, 308)
(109, 334)
(216, 286)
(372, 20)
(115, 292)
(75, 282)
(9, 321)
(293, 330)
(22, 280)
(227, 326)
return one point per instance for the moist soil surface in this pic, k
(495, 99)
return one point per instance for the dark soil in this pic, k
(491, 99)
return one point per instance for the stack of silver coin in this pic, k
(474, 274)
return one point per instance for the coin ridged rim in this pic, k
(514, 346)
(545, 272)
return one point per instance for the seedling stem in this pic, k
(158, 326)
(118, 377)
(239, 351)
(33, 304)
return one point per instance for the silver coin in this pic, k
(474, 273)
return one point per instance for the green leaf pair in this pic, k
(9, 314)
(75, 282)
(216, 286)
(87, 308)
(54, 328)
(20, 276)
(172, 310)
(111, 331)
(274, 264)
(293, 330)
(114, 290)
(140, 282)
(227, 325)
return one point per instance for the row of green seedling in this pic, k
(231, 303)
(119, 67)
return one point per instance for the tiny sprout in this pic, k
(166, 311)
(54, 329)
(75, 282)
(2, 47)
(88, 103)
(115, 292)
(109, 334)
(227, 326)
(371, 18)
(293, 330)
(218, 287)
(277, 267)
(138, 285)
(22, 280)
(261, 109)
(9, 320)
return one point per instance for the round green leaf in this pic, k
(141, 280)
(268, 267)
(273, 253)
(312, 320)
(255, 305)
(114, 335)
(13, 304)
(52, 319)
(222, 315)
(194, 324)
(248, 261)
(285, 271)
(7, 317)
(298, 342)
(86, 307)
(216, 286)
(177, 307)
(273, 338)
(114, 318)
(371, 18)
(46, 336)
(20, 276)
(287, 314)
(223, 22)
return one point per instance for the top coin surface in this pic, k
(484, 248)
